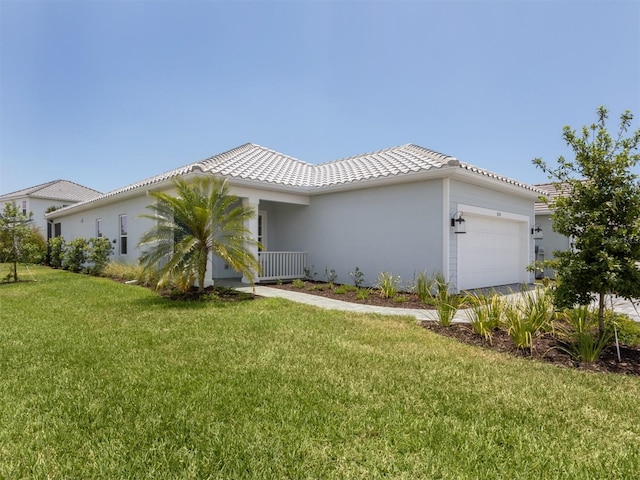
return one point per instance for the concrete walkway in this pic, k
(619, 305)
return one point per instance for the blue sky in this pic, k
(106, 93)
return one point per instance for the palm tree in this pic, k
(201, 218)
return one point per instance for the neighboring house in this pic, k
(41, 198)
(546, 240)
(399, 210)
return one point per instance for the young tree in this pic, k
(202, 218)
(601, 215)
(19, 241)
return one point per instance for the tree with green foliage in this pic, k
(20, 242)
(202, 218)
(601, 215)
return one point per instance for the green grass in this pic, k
(105, 380)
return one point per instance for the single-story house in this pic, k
(401, 210)
(42, 198)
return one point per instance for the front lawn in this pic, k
(105, 380)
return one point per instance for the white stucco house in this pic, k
(40, 198)
(401, 210)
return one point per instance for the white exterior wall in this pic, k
(395, 229)
(496, 203)
(83, 224)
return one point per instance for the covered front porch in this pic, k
(276, 226)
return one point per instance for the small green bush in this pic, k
(57, 248)
(297, 283)
(330, 275)
(98, 255)
(357, 276)
(363, 294)
(340, 290)
(76, 255)
(628, 330)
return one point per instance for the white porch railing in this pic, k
(282, 265)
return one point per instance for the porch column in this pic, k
(252, 225)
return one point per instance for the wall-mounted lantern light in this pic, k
(536, 231)
(457, 222)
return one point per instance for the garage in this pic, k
(491, 252)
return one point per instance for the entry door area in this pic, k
(491, 252)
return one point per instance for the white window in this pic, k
(24, 207)
(99, 228)
(123, 234)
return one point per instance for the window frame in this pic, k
(124, 233)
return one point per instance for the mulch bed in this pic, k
(545, 349)
(402, 300)
(545, 346)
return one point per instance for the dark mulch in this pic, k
(402, 300)
(224, 294)
(545, 349)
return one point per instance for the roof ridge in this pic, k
(37, 188)
(30, 190)
(360, 155)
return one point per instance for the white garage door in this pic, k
(489, 254)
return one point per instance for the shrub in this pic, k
(363, 294)
(340, 290)
(388, 284)
(578, 332)
(57, 248)
(330, 276)
(357, 276)
(76, 255)
(33, 248)
(99, 251)
(297, 283)
(628, 330)
(309, 274)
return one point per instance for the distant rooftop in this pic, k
(551, 192)
(55, 190)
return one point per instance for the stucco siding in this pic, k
(550, 242)
(396, 229)
(83, 224)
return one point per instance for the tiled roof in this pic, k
(550, 192)
(383, 163)
(256, 163)
(57, 190)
